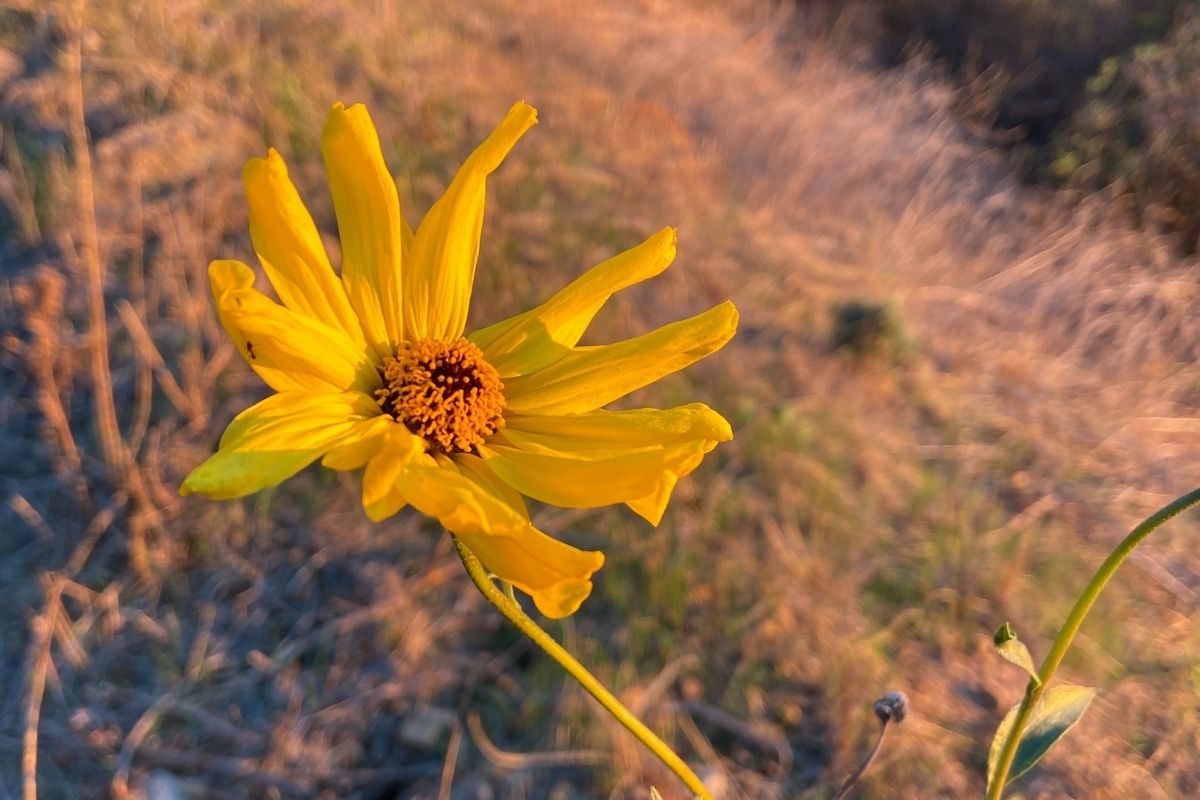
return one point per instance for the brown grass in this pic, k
(873, 522)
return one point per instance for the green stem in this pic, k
(516, 616)
(1033, 692)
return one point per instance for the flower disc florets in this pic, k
(444, 392)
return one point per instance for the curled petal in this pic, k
(556, 575)
(381, 496)
(603, 457)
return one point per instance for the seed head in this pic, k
(892, 707)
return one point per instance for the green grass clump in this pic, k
(1136, 131)
(866, 329)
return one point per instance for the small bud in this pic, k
(1004, 634)
(892, 707)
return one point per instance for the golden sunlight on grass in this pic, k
(951, 393)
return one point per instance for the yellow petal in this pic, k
(474, 467)
(461, 504)
(604, 457)
(354, 453)
(288, 349)
(589, 377)
(602, 433)
(369, 223)
(556, 575)
(381, 496)
(276, 438)
(387, 505)
(437, 284)
(539, 337)
(290, 249)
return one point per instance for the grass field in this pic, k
(1031, 394)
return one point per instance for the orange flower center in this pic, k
(444, 392)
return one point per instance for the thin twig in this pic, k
(757, 736)
(451, 761)
(661, 682)
(31, 516)
(508, 760)
(43, 626)
(119, 786)
(152, 358)
(137, 287)
(41, 301)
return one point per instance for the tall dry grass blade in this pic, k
(43, 629)
(121, 465)
(88, 250)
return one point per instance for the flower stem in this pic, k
(512, 610)
(1034, 690)
(865, 765)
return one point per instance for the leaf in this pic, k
(1058, 710)
(1014, 651)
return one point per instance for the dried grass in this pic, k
(873, 521)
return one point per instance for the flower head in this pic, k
(371, 368)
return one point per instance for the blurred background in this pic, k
(962, 236)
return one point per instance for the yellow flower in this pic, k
(372, 369)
